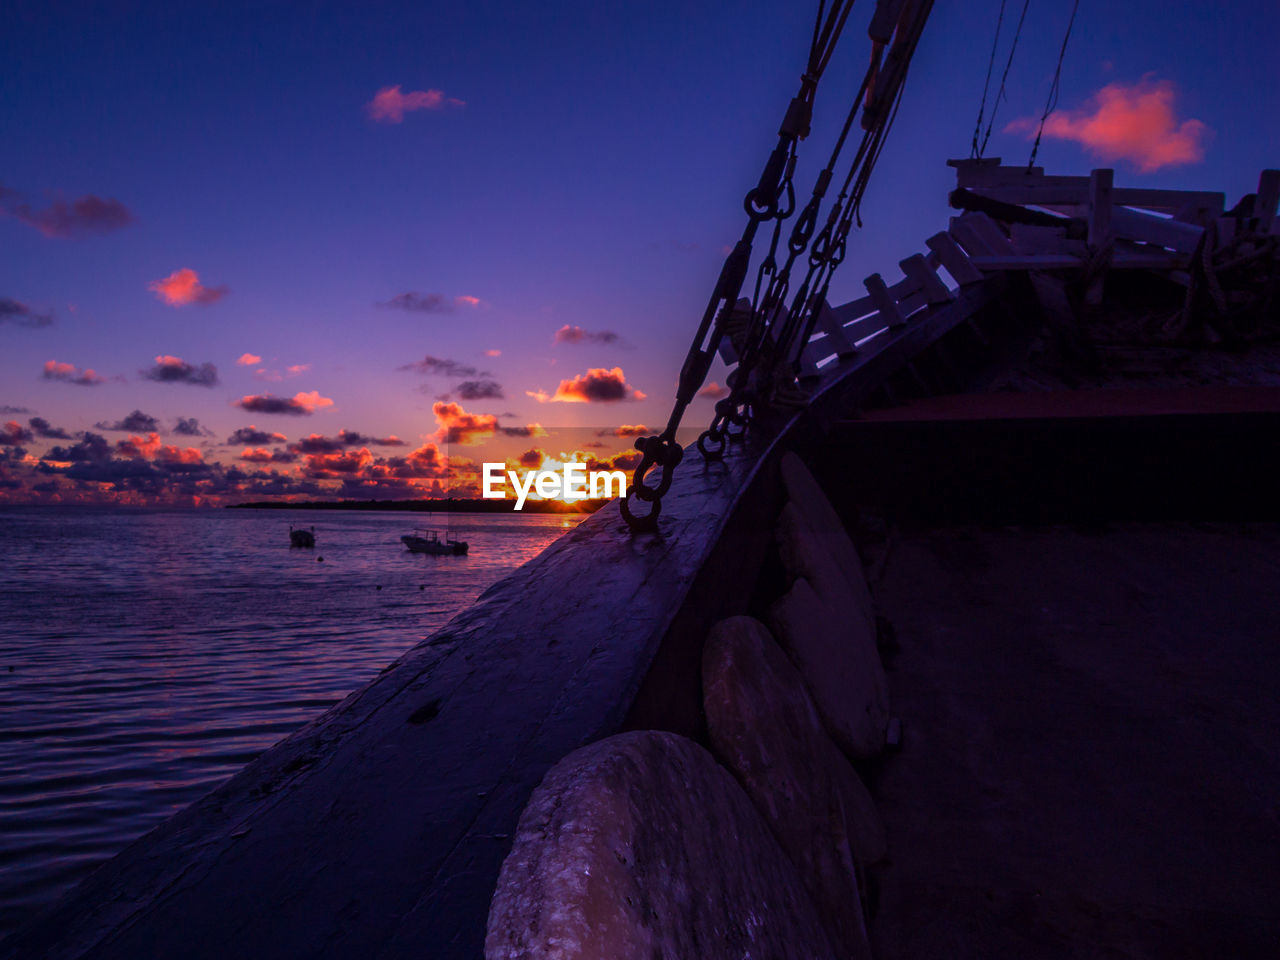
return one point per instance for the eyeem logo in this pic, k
(573, 483)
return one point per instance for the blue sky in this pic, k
(591, 177)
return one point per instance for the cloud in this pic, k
(68, 373)
(296, 369)
(389, 105)
(261, 455)
(9, 408)
(429, 302)
(458, 426)
(136, 422)
(13, 433)
(713, 391)
(169, 369)
(480, 390)
(317, 443)
(1128, 122)
(440, 366)
(529, 430)
(13, 311)
(183, 287)
(352, 439)
(91, 449)
(493, 353)
(248, 360)
(190, 427)
(625, 430)
(252, 436)
(42, 428)
(299, 405)
(89, 214)
(575, 334)
(597, 385)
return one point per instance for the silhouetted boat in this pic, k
(427, 540)
(302, 538)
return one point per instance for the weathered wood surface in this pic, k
(380, 827)
(764, 729)
(642, 846)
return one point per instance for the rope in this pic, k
(982, 107)
(1052, 102)
(1003, 77)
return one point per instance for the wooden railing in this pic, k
(1132, 228)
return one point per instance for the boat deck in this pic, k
(1088, 763)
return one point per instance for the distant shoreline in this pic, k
(428, 506)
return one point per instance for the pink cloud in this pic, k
(459, 426)
(183, 287)
(1128, 122)
(714, 391)
(389, 105)
(493, 353)
(300, 404)
(56, 370)
(249, 360)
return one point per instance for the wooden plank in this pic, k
(1264, 206)
(973, 243)
(1160, 260)
(854, 310)
(994, 237)
(988, 171)
(886, 305)
(1132, 225)
(1198, 212)
(829, 324)
(955, 260)
(1074, 191)
(918, 268)
(1029, 238)
(1100, 206)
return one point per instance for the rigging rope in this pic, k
(1004, 77)
(982, 107)
(770, 338)
(762, 203)
(1052, 102)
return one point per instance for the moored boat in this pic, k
(299, 537)
(428, 540)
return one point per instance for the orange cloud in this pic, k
(183, 287)
(714, 391)
(458, 426)
(150, 448)
(249, 360)
(389, 105)
(625, 430)
(493, 353)
(1128, 122)
(597, 385)
(56, 370)
(300, 404)
(466, 301)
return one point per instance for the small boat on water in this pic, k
(426, 540)
(302, 538)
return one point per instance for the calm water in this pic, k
(145, 657)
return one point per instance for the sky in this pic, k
(284, 250)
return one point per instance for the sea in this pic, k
(146, 656)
